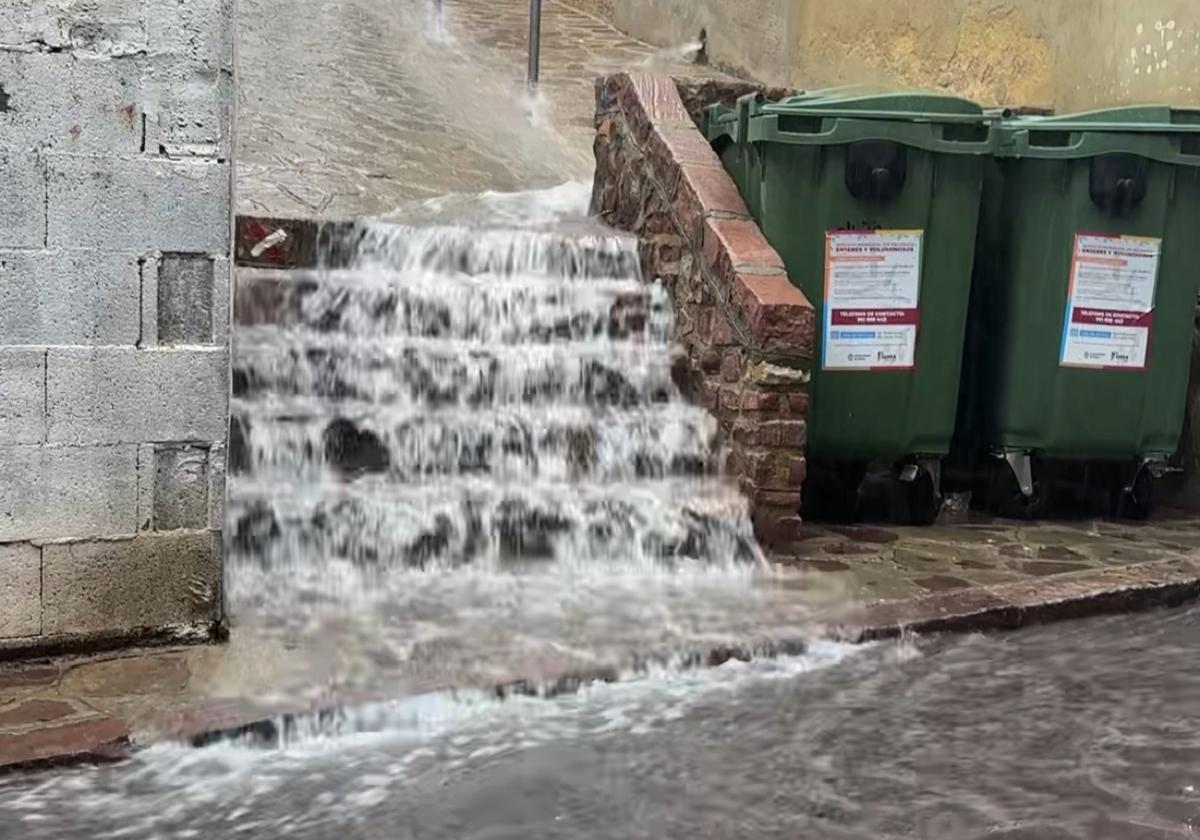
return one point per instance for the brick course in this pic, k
(746, 330)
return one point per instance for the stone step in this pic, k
(451, 249)
(304, 440)
(434, 373)
(465, 520)
(484, 308)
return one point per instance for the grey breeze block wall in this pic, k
(115, 143)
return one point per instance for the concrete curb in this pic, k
(1011, 606)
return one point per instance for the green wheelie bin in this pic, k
(872, 202)
(1087, 295)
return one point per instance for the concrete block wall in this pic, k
(115, 203)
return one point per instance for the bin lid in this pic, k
(1157, 132)
(864, 103)
(1131, 119)
(919, 119)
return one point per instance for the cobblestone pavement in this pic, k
(359, 108)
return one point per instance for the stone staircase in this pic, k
(447, 396)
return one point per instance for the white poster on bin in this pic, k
(872, 292)
(1110, 302)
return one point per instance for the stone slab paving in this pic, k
(882, 562)
(367, 106)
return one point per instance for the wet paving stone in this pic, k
(984, 554)
(151, 674)
(35, 711)
(97, 737)
(1057, 552)
(867, 535)
(942, 583)
(1124, 556)
(975, 564)
(1043, 568)
(849, 548)
(826, 565)
(28, 677)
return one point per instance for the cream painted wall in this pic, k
(1069, 54)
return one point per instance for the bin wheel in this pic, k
(830, 493)
(1141, 498)
(1005, 497)
(916, 502)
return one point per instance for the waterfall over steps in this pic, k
(450, 396)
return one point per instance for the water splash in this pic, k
(526, 209)
(435, 31)
(538, 108)
(354, 760)
(672, 55)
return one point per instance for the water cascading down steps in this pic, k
(450, 396)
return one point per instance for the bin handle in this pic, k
(848, 127)
(722, 131)
(1172, 147)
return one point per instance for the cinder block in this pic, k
(20, 591)
(185, 299)
(22, 394)
(68, 297)
(201, 30)
(216, 487)
(222, 300)
(22, 200)
(60, 492)
(187, 110)
(159, 105)
(149, 302)
(25, 23)
(95, 27)
(150, 581)
(145, 482)
(138, 204)
(119, 395)
(198, 29)
(57, 101)
(104, 27)
(181, 484)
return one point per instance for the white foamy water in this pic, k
(460, 451)
(356, 759)
(529, 209)
(671, 55)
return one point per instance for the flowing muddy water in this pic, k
(1077, 731)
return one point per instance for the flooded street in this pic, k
(1079, 730)
(460, 459)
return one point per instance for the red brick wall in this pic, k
(747, 331)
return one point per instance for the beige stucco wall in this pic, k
(1069, 54)
(746, 35)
